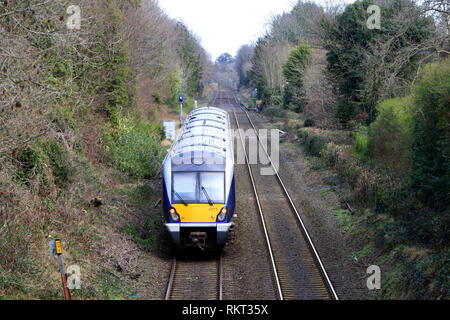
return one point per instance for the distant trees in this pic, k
(166, 56)
(300, 24)
(225, 72)
(364, 66)
(189, 52)
(225, 58)
(243, 64)
(288, 30)
(266, 72)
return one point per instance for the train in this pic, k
(198, 196)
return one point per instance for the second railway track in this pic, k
(298, 270)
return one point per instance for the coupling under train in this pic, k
(198, 181)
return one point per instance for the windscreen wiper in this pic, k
(182, 200)
(207, 196)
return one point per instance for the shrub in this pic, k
(430, 171)
(32, 163)
(272, 112)
(41, 160)
(309, 123)
(174, 83)
(331, 154)
(344, 112)
(361, 144)
(59, 160)
(157, 98)
(135, 147)
(390, 135)
(302, 135)
(313, 144)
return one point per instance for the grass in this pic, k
(365, 251)
(344, 219)
(147, 241)
(146, 231)
(111, 287)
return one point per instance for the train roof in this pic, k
(209, 110)
(205, 129)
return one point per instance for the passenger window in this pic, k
(185, 184)
(214, 184)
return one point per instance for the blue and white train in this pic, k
(198, 181)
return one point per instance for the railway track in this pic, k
(298, 270)
(196, 278)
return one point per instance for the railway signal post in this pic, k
(180, 100)
(56, 250)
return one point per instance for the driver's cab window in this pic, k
(184, 186)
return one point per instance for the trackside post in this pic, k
(56, 250)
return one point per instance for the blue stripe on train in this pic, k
(231, 203)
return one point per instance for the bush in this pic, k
(135, 147)
(32, 163)
(430, 171)
(174, 83)
(41, 160)
(313, 144)
(302, 135)
(390, 134)
(309, 123)
(157, 98)
(59, 160)
(345, 112)
(272, 112)
(361, 144)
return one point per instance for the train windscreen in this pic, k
(214, 184)
(184, 186)
(198, 187)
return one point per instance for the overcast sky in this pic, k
(225, 25)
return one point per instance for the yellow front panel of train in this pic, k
(198, 212)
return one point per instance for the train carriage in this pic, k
(198, 181)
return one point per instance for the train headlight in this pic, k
(222, 215)
(174, 215)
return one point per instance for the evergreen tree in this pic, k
(293, 72)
